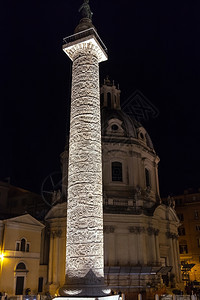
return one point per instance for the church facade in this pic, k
(140, 233)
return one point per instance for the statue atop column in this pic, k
(85, 10)
(86, 20)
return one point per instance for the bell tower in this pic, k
(110, 95)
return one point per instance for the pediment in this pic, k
(24, 220)
(166, 213)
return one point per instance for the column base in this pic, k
(89, 291)
(88, 286)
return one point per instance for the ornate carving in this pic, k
(56, 233)
(109, 229)
(136, 229)
(171, 235)
(152, 231)
(84, 249)
(138, 190)
(171, 202)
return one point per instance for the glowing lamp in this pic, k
(1, 256)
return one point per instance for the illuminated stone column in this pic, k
(84, 247)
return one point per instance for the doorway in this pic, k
(19, 285)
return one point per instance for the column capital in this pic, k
(152, 231)
(171, 235)
(136, 229)
(109, 229)
(86, 40)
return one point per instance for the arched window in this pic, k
(147, 177)
(27, 247)
(21, 266)
(109, 100)
(23, 244)
(17, 248)
(116, 171)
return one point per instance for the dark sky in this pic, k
(153, 46)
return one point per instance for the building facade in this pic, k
(21, 268)
(140, 233)
(188, 211)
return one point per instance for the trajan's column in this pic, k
(84, 247)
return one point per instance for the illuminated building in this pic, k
(20, 263)
(188, 211)
(140, 233)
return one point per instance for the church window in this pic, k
(109, 100)
(114, 127)
(21, 266)
(116, 171)
(142, 135)
(23, 243)
(17, 246)
(147, 177)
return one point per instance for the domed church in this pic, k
(140, 233)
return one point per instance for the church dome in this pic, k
(115, 122)
(118, 123)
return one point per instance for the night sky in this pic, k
(153, 46)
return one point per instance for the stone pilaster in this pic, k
(141, 242)
(152, 251)
(171, 236)
(132, 245)
(157, 246)
(109, 232)
(50, 270)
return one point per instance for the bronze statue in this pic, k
(85, 10)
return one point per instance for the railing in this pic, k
(82, 34)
